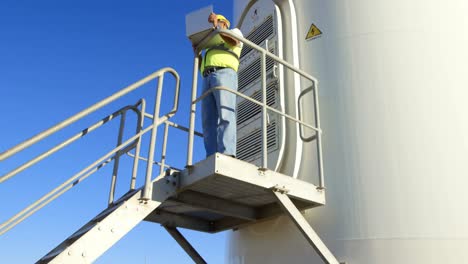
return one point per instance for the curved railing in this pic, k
(134, 143)
(122, 147)
(263, 54)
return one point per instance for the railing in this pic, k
(263, 53)
(135, 141)
(122, 147)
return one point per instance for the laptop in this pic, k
(197, 26)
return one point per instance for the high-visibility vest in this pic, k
(222, 55)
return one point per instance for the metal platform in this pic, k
(221, 193)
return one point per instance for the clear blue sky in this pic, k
(56, 59)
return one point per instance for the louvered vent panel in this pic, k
(253, 71)
(250, 146)
(264, 31)
(247, 110)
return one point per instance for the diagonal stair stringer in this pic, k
(108, 227)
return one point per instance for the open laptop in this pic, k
(197, 26)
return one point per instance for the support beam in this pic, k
(216, 205)
(179, 220)
(228, 223)
(185, 245)
(314, 240)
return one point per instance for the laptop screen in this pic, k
(197, 21)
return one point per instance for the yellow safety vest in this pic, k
(223, 55)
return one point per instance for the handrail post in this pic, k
(115, 171)
(321, 185)
(164, 148)
(193, 107)
(149, 168)
(141, 119)
(264, 112)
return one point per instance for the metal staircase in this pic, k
(99, 234)
(216, 194)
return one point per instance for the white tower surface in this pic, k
(393, 94)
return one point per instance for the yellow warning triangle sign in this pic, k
(314, 32)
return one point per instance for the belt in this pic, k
(210, 70)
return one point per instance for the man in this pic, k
(219, 68)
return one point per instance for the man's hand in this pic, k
(230, 40)
(213, 19)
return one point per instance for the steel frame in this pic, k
(307, 231)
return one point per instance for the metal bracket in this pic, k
(172, 177)
(165, 186)
(280, 189)
(189, 168)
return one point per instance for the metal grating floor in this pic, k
(222, 192)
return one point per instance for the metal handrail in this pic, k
(154, 162)
(264, 53)
(167, 124)
(117, 155)
(121, 148)
(175, 125)
(65, 186)
(157, 120)
(299, 112)
(27, 143)
(257, 48)
(205, 94)
(67, 142)
(35, 139)
(71, 182)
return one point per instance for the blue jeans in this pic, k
(219, 113)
